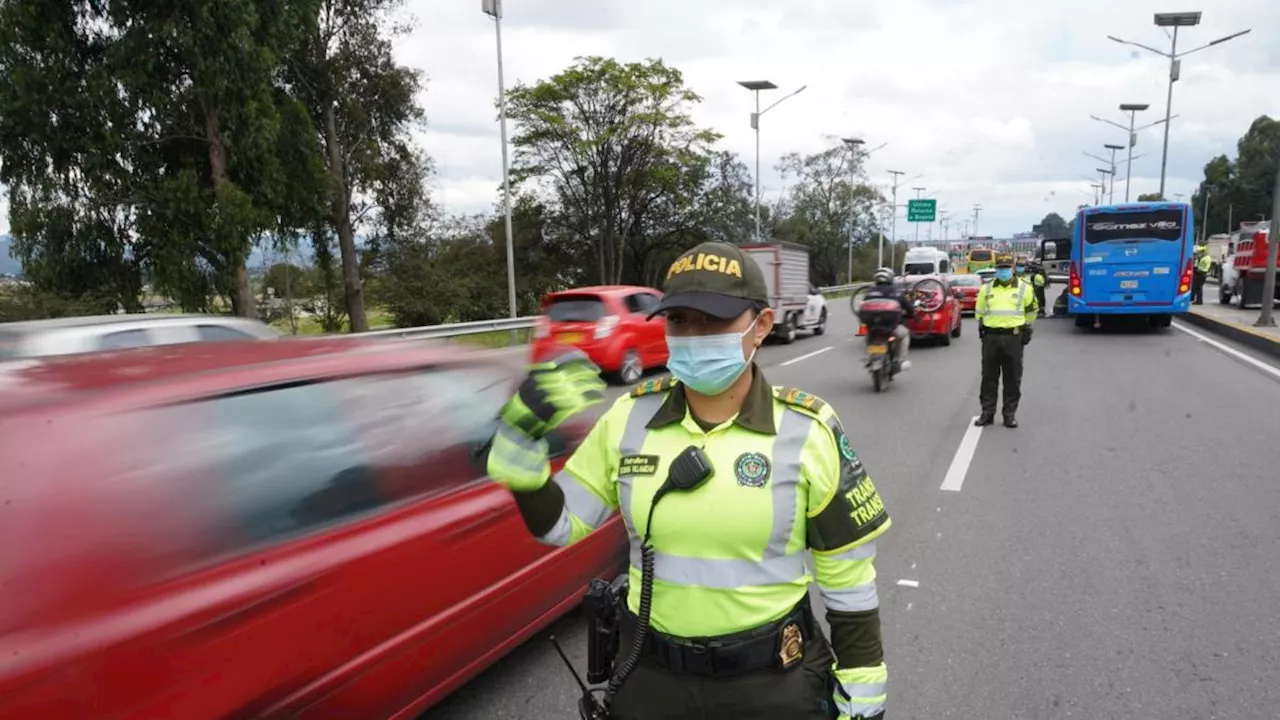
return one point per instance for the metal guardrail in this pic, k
(429, 332)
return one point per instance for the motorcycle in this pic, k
(926, 295)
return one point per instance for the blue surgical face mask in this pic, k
(1004, 274)
(1021, 269)
(708, 364)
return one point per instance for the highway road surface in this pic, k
(1116, 556)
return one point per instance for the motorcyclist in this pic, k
(884, 289)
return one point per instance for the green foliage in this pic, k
(1240, 189)
(828, 205)
(613, 146)
(1150, 197)
(1052, 226)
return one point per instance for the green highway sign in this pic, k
(922, 210)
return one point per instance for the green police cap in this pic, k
(1004, 263)
(716, 279)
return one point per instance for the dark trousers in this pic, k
(800, 693)
(1044, 309)
(1197, 286)
(1001, 354)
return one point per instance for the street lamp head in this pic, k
(1111, 146)
(492, 8)
(851, 142)
(757, 85)
(1133, 107)
(1178, 19)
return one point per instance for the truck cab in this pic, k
(926, 261)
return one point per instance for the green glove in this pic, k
(553, 392)
(518, 456)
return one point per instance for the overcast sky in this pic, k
(987, 100)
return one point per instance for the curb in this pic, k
(1242, 334)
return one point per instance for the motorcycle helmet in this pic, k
(883, 276)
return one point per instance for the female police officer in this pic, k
(751, 478)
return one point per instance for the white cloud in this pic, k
(988, 100)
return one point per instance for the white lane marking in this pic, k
(1228, 350)
(805, 357)
(909, 583)
(963, 457)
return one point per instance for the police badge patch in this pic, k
(752, 469)
(846, 449)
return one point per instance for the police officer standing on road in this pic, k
(1005, 312)
(1204, 262)
(752, 480)
(1038, 281)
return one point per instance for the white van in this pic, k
(926, 261)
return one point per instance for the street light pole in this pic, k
(1269, 280)
(1113, 148)
(756, 86)
(893, 222)
(1133, 109)
(852, 144)
(918, 191)
(493, 8)
(977, 209)
(1175, 21)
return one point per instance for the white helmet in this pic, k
(883, 276)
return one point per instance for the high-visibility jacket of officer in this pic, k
(1006, 308)
(731, 632)
(1038, 281)
(1200, 273)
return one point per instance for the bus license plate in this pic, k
(877, 349)
(1128, 284)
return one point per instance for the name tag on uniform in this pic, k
(638, 465)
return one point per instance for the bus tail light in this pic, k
(1075, 281)
(1184, 284)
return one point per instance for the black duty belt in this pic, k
(1003, 331)
(778, 645)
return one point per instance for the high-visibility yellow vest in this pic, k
(730, 555)
(1205, 263)
(1006, 306)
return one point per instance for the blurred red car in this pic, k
(966, 288)
(287, 529)
(607, 322)
(942, 324)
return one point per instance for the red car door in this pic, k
(655, 330)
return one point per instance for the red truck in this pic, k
(1243, 274)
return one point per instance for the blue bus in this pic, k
(1131, 260)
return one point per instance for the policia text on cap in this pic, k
(752, 479)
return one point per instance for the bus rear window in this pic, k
(1146, 225)
(576, 308)
(980, 256)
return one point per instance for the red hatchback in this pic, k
(941, 324)
(288, 529)
(608, 323)
(965, 288)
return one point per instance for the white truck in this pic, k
(796, 303)
(926, 261)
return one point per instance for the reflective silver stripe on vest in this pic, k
(559, 533)
(633, 437)
(864, 691)
(580, 501)
(525, 454)
(862, 552)
(858, 709)
(859, 598)
(721, 573)
(785, 478)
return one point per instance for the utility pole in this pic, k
(1273, 244)
(493, 8)
(918, 190)
(893, 222)
(977, 210)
